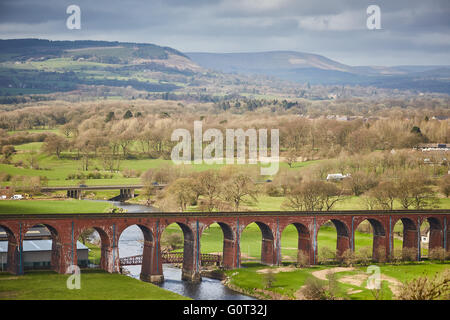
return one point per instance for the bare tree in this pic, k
(239, 187)
(331, 194)
(306, 196)
(360, 182)
(385, 194)
(444, 185)
(55, 144)
(291, 158)
(182, 193)
(210, 183)
(7, 152)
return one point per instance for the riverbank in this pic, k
(95, 285)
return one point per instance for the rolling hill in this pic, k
(103, 69)
(316, 69)
(43, 66)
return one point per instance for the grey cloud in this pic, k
(414, 28)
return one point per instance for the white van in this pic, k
(17, 197)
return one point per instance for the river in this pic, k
(130, 244)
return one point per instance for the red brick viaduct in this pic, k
(66, 229)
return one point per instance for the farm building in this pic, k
(37, 248)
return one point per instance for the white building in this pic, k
(337, 176)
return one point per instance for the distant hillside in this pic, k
(30, 68)
(316, 69)
(109, 52)
(44, 66)
(266, 61)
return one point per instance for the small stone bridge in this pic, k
(125, 191)
(66, 229)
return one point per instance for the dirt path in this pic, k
(357, 279)
(322, 274)
(277, 270)
(361, 278)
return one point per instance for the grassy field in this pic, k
(95, 285)
(95, 253)
(51, 206)
(57, 170)
(251, 279)
(267, 203)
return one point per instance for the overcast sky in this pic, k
(413, 31)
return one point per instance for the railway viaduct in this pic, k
(66, 229)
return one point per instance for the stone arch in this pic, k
(11, 264)
(268, 254)
(229, 256)
(105, 247)
(149, 264)
(304, 244)
(57, 259)
(190, 255)
(436, 233)
(379, 247)
(410, 237)
(343, 237)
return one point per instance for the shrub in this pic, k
(130, 173)
(269, 279)
(19, 164)
(5, 176)
(173, 241)
(381, 255)
(114, 209)
(397, 256)
(348, 258)
(272, 190)
(409, 254)
(302, 258)
(315, 289)
(438, 254)
(326, 255)
(94, 175)
(427, 288)
(363, 256)
(444, 185)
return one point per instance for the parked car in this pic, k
(17, 197)
(82, 186)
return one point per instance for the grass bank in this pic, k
(51, 206)
(95, 285)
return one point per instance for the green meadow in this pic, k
(351, 282)
(57, 170)
(95, 285)
(51, 206)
